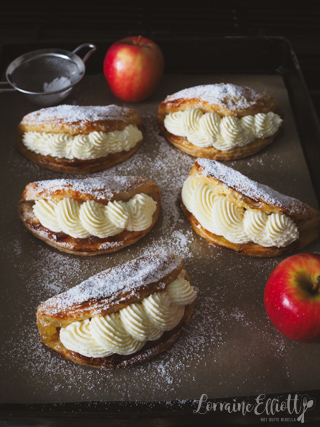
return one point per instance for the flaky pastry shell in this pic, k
(108, 292)
(250, 194)
(75, 120)
(102, 190)
(201, 97)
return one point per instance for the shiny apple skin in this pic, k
(133, 68)
(290, 303)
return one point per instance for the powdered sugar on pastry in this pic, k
(100, 188)
(231, 96)
(120, 280)
(248, 187)
(75, 114)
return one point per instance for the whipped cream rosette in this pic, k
(90, 216)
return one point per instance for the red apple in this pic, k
(292, 297)
(133, 67)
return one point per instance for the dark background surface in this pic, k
(52, 22)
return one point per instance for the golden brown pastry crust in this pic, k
(101, 190)
(107, 119)
(305, 217)
(259, 103)
(63, 309)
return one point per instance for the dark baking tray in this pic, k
(227, 55)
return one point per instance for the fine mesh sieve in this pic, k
(47, 76)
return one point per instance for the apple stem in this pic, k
(139, 38)
(316, 285)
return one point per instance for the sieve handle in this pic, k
(6, 87)
(85, 45)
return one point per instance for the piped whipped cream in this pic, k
(222, 133)
(82, 146)
(221, 216)
(91, 218)
(125, 332)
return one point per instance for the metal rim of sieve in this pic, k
(61, 56)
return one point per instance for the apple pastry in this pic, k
(219, 121)
(120, 316)
(232, 211)
(80, 139)
(90, 216)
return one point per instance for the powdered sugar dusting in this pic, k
(250, 188)
(228, 95)
(97, 187)
(122, 279)
(57, 84)
(229, 348)
(76, 113)
(169, 168)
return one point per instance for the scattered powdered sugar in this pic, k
(231, 96)
(250, 188)
(168, 167)
(206, 347)
(76, 113)
(229, 347)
